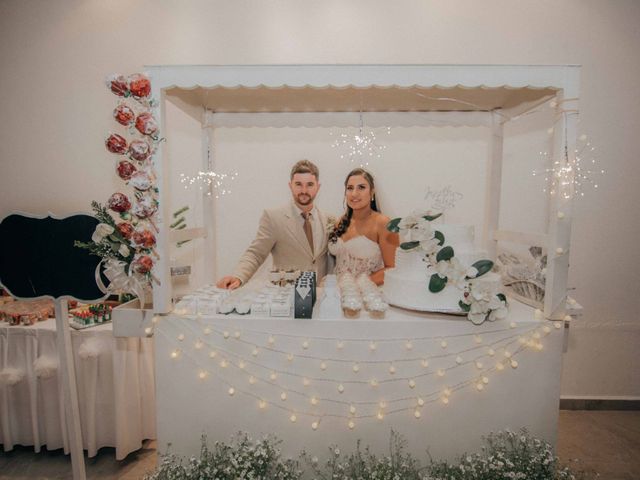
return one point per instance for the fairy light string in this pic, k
(418, 401)
(350, 409)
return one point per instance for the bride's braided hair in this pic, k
(345, 220)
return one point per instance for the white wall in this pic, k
(55, 110)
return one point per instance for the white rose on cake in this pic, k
(498, 308)
(443, 268)
(482, 291)
(478, 312)
(458, 273)
(429, 246)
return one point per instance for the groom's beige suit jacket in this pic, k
(281, 234)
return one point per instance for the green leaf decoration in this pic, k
(445, 253)
(483, 266)
(439, 236)
(502, 297)
(392, 226)
(431, 218)
(409, 245)
(437, 283)
(463, 306)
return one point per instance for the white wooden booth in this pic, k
(192, 400)
(489, 94)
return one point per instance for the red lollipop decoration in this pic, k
(146, 124)
(118, 84)
(125, 229)
(126, 169)
(139, 85)
(124, 115)
(139, 150)
(119, 202)
(145, 207)
(142, 264)
(116, 144)
(144, 238)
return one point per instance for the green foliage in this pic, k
(464, 306)
(243, 458)
(505, 455)
(364, 465)
(409, 245)
(392, 226)
(437, 283)
(109, 246)
(431, 218)
(445, 253)
(483, 266)
(439, 236)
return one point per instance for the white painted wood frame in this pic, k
(483, 83)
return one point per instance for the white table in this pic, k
(525, 396)
(116, 389)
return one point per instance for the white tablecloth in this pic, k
(116, 389)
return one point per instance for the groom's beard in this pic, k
(304, 199)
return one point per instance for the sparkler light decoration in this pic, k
(217, 183)
(361, 147)
(571, 177)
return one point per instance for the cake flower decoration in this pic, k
(478, 299)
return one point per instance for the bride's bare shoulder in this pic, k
(381, 219)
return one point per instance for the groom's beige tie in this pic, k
(307, 228)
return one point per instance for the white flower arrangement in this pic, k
(478, 300)
(505, 455)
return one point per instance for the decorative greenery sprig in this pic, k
(110, 246)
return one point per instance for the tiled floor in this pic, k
(606, 442)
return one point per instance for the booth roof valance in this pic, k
(352, 88)
(352, 99)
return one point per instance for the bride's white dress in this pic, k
(357, 255)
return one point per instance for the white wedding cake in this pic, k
(407, 285)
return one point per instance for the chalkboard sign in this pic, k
(37, 257)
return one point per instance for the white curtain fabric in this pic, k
(116, 389)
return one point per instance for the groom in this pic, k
(295, 234)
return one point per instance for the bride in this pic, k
(360, 240)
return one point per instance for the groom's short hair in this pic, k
(305, 166)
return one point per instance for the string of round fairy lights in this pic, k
(243, 361)
(410, 380)
(423, 360)
(480, 381)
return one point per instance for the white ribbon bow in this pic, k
(120, 281)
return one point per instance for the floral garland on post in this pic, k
(127, 247)
(478, 300)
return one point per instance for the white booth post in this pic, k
(560, 205)
(69, 389)
(493, 187)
